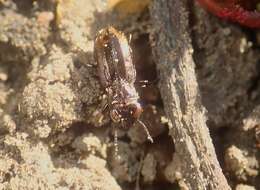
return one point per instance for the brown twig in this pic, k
(172, 49)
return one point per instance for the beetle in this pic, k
(117, 76)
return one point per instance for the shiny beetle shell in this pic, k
(113, 56)
(117, 76)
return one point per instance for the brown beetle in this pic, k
(117, 76)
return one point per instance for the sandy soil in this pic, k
(53, 132)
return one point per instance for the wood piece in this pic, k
(172, 50)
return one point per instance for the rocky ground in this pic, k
(53, 132)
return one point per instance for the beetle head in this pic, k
(126, 114)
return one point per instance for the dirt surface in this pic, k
(53, 131)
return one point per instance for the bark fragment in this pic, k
(172, 50)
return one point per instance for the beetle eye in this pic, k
(136, 110)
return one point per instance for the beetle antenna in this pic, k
(146, 131)
(116, 141)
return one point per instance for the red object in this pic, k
(241, 11)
